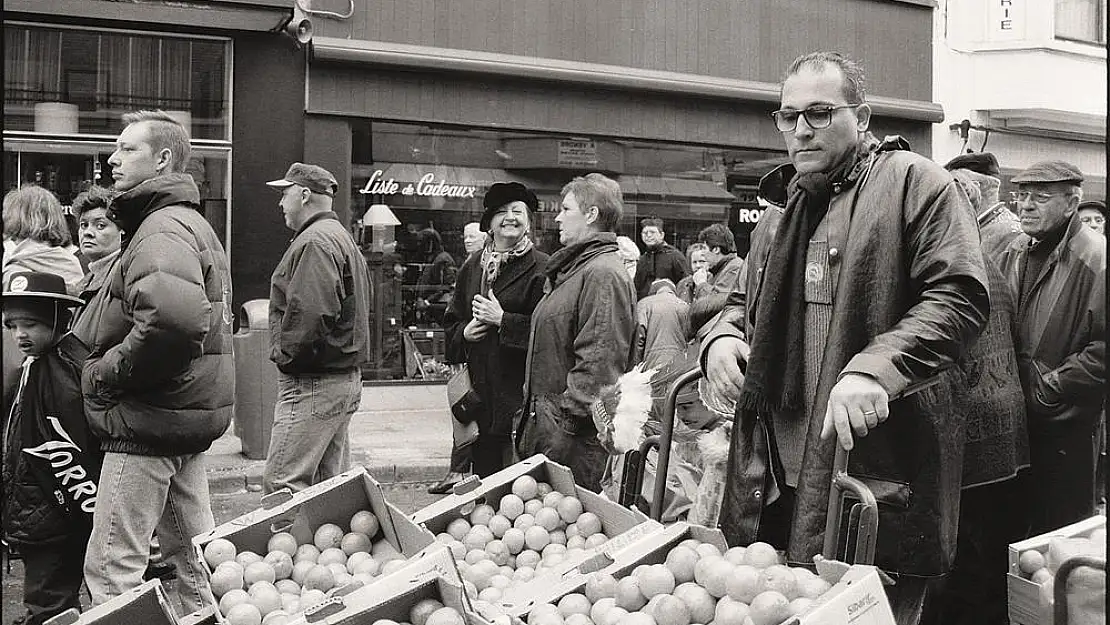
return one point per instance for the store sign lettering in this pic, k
(427, 186)
(749, 215)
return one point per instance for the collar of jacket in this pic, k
(662, 247)
(1023, 242)
(322, 215)
(573, 256)
(726, 259)
(774, 187)
(131, 207)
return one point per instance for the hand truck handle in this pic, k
(664, 462)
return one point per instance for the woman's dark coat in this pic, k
(497, 361)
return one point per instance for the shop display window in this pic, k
(433, 180)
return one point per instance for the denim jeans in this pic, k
(309, 443)
(136, 496)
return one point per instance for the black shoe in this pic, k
(445, 485)
(159, 570)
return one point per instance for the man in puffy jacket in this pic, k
(159, 384)
(660, 260)
(319, 334)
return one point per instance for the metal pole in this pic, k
(664, 462)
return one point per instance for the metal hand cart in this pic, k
(863, 516)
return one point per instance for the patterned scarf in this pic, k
(492, 260)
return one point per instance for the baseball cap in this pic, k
(312, 177)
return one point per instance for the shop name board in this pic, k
(427, 186)
(577, 152)
(749, 215)
(1007, 19)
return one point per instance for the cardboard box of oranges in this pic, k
(528, 522)
(1034, 561)
(426, 591)
(146, 603)
(286, 556)
(686, 574)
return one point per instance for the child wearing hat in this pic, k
(51, 461)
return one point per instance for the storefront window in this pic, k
(69, 167)
(1081, 20)
(62, 81)
(434, 178)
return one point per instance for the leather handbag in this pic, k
(461, 396)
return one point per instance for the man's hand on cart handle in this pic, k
(722, 366)
(858, 403)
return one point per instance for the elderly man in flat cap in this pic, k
(319, 334)
(1057, 272)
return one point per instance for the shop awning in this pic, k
(247, 15)
(678, 188)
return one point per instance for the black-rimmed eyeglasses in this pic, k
(817, 117)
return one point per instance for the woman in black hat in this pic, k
(489, 320)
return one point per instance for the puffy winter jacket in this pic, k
(160, 380)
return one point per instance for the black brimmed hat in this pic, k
(39, 286)
(502, 193)
(980, 162)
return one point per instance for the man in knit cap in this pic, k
(998, 225)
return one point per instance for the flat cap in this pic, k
(1097, 205)
(1049, 171)
(979, 162)
(312, 177)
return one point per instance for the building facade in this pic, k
(421, 105)
(1025, 80)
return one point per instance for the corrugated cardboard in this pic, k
(333, 501)
(623, 526)
(857, 599)
(1027, 605)
(433, 576)
(146, 604)
(649, 549)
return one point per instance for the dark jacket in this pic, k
(95, 277)
(661, 261)
(1062, 327)
(580, 342)
(496, 362)
(160, 379)
(320, 301)
(723, 277)
(900, 318)
(662, 325)
(51, 460)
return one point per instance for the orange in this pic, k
(574, 603)
(391, 566)
(553, 498)
(327, 535)
(319, 578)
(681, 561)
(282, 541)
(705, 550)
(524, 521)
(600, 586)
(499, 552)
(233, 598)
(638, 618)
(482, 514)
(744, 583)
(365, 522)
(614, 616)
(628, 594)
(354, 542)
(513, 540)
(277, 617)
(288, 586)
(525, 487)
(369, 566)
(769, 608)
(588, 524)
(258, 572)
(559, 537)
(600, 608)
(570, 508)
(780, 578)
(670, 610)
(281, 562)
(300, 570)
(812, 587)
(458, 528)
(596, 540)
(536, 538)
(761, 555)
(306, 552)
(332, 555)
(532, 506)
(311, 597)
(730, 612)
(244, 614)
(701, 605)
(712, 573)
(1030, 561)
(225, 579)
(219, 551)
(265, 597)
(656, 580)
(548, 518)
(420, 612)
(578, 619)
(445, 616)
(511, 506)
(735, 555)
(499, 524)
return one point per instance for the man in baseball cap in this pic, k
(312, 177)
(1057, 273)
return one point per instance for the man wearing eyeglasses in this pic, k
(865, 286)
(1057, 272)
(319, 334)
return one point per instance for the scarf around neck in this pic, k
(774, 376)
(493, 260)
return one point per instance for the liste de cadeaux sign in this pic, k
(426, 186)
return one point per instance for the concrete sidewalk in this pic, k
(402, 434)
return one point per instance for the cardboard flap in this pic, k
(69, 617)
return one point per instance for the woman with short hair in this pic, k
(36, 237)
(98, 236)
